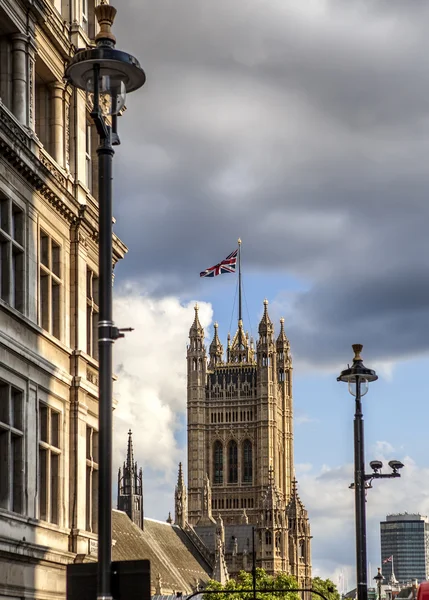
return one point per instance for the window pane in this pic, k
(56, 309)
(44, 249)
(4, 469)
(16, 405)
(43, 416)
(55, 429)
(218, 462)
(4, 403)
(43, 492)
(17, 224)
(44, 300)
(232, 463)
(56, 264)
(4, 214)
(55, 464)
(5, 267)
(17, 486)
(18, 279)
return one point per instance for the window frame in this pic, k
(51, 284)
(12, 448)
(12, 249)
(49, 485)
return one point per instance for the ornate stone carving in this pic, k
(92, 376)
(46, 162)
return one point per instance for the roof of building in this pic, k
(171, 553)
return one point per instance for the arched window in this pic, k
(232, 462)
(268, 538)
(247, 461)
(218, 462)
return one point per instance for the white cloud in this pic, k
(151, 388)
(330, 504)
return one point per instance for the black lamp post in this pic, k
(106, 74)
(378, 580)
(358, 377)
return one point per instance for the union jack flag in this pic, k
(390, 559)
(225, 266)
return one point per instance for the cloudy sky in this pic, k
(301, 126)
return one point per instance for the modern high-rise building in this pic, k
(405, 547)
(240, 451)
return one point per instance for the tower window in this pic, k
(247, 461)
(281, 375)
(268, 539)
(232, 462)
(218, 463)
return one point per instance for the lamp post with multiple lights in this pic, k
(106, 74)
(358, 377)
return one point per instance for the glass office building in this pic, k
(405, 547)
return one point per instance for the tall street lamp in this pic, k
(106, 74)
(358, 377)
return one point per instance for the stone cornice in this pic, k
(17, 146)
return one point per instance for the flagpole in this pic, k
(239, 280)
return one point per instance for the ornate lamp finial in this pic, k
(105, 14)
(357, 349)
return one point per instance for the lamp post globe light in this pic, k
(358, 378)
(106, 74)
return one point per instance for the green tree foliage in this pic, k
(244, 581)
(325, 587)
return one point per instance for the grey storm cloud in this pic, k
(303, 127)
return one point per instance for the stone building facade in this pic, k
(240, 451)
(48, 300)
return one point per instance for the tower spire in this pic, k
(130, 487)
(180, 501)
(130, 452)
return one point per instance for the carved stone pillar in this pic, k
(19, 77)
(31, 86)
(57, 121)
(67, 99)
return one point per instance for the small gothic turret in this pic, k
(273, 527)
(206, 515)
(282, 339)
(130, 487)
(196, 331)
(266, 328)
(272, 505)
(180, 501)
(216, 350)
(299, 538)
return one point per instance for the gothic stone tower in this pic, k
(240, 434)
(130, 487)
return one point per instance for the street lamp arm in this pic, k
(371, 476)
